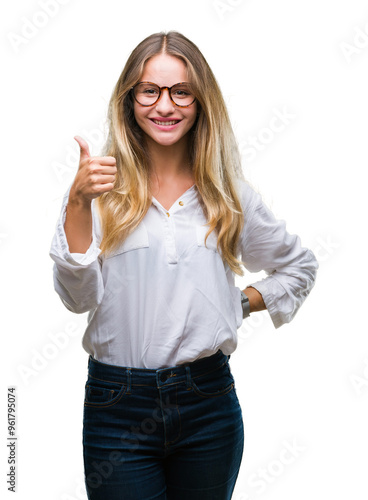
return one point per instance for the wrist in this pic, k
(245, 304)
(78, 202)
(256, 302)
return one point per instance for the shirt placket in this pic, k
(169, 228)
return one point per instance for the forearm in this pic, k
(255, 299)
(80, 287)
(78, 225)
(77, 278)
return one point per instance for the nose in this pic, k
(165, 105)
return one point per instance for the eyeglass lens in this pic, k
(148, 93)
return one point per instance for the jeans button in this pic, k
(164, 377)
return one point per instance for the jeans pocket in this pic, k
(102, 393)
(214, 384)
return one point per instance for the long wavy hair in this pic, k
(214, 153)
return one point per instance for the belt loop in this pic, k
(189, 381)
(129, 373)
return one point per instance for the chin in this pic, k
(165, 141)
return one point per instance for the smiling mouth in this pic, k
(166, 123)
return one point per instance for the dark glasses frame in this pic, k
(160, 93)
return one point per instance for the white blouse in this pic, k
(163, 298)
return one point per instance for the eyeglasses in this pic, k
(148, 93)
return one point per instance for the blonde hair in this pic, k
(214, 152)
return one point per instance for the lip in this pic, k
(165, 127)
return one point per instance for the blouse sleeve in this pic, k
(77, 277)
(265, 245)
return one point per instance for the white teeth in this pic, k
(166, 123)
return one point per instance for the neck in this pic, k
(168, 163)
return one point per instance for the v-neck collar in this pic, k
(184, 195)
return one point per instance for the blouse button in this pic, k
(167, 213)
(181, 203)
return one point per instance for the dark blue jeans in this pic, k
(173, 433)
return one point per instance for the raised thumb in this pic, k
(84, 149)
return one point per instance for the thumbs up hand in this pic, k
(96, 175)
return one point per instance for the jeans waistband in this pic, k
(155, 377)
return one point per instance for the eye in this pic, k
(149, 91)
(181, 91)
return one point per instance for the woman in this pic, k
(149, 239)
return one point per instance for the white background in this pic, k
(306, 383)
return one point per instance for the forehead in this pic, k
(164, 69)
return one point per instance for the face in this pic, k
(165, 71)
